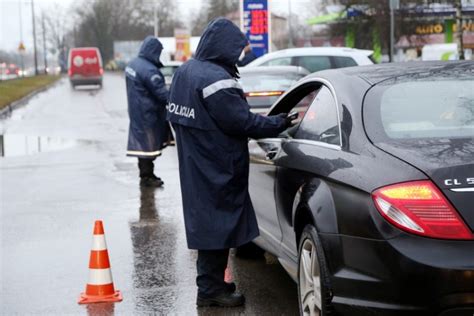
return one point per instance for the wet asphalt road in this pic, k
(64, 166)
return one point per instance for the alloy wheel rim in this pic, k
(309, 280)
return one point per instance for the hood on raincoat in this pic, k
(221, 42)
(151, 50)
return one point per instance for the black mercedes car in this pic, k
(368, 202)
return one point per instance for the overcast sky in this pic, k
(10, 16)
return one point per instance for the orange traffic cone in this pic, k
(100, 287)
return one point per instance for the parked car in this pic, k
(168, 70)
(9, 71)
(85, 66)
(263, 87)
(316, 58)
(368, 201)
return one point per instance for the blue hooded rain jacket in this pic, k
(212, 120)
(147, 98)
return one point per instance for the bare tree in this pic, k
(101, 22)
(56, 32)
(211, 9)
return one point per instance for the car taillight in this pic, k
(101, 70)
(264, 94)
(419, 207)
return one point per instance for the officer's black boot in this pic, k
(147, 177)
(212, 289)
(223, 300)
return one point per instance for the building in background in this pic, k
(417, 25)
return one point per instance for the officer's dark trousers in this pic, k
(146, 167)
(211, 265)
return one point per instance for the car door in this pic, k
(262, 182)
(264, 154)
(319, 132)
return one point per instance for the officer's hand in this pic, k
(288, 119)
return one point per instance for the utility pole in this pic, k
(394, 5)
(34, 36)
(290, 33)
(21, 41)
(459, 29)
(44, 44)
(155, 15)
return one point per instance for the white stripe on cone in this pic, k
(98, 242)
(100, 276)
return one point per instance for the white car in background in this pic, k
(168, 70)
(316, 58)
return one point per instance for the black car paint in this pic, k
(330, 187)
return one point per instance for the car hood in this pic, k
(449, 162)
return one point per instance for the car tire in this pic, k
(314, 294)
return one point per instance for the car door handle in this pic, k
(271, 154)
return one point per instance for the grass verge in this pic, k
(15, 89)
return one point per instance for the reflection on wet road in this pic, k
(53, 187)
(20, 145)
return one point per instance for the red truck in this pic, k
(85, 66)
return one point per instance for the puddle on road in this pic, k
(22, 145)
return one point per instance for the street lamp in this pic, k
(21, 46)
(155, 15)
(290, 33)
(34, 36)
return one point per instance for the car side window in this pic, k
(321, 122)
(284, 61)
(314, 63)
(342, 62)
(298, 100)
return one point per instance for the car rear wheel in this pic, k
(313, 292)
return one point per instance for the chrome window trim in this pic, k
(314, 142)
(333, 92)
(307, 141)
(463, 190)
(272, 139)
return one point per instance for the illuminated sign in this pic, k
(256, 25)
(438, 28)
(183, 45)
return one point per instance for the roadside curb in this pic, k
(7, 110)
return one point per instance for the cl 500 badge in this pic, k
(451, 182)
(458, 182)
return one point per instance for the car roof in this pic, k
(374, 74)
(302, 51)
(273, 70)
(173, 63)
(84, 48)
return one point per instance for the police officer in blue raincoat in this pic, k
(213, 122)
(147, 98)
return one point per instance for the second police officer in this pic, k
(147, 97)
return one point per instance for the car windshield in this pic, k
(268, 82)
(425, 109)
